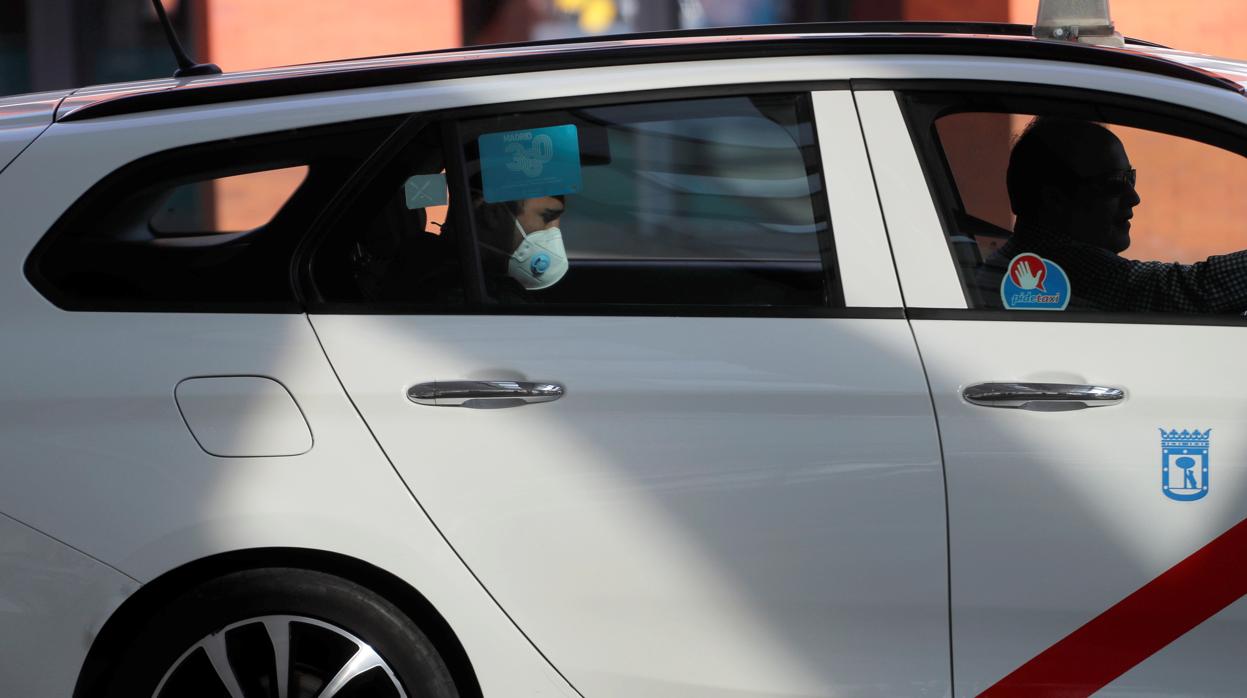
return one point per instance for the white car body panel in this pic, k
(717, 505)
(53, 601)
(86, 387)
(930, 278)
(93, 451)
(243, 416)
(646, 529)
(22, 119)
(868, 275)
(1207, 661)
(1056, 517)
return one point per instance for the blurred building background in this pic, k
(54, 44)
(59, 44)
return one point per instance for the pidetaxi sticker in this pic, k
(530, 163)
(1034, 283)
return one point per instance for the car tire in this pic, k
(242, 626)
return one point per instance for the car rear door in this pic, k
(737, 489)
(1096, 540)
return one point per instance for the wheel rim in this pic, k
(282, 656)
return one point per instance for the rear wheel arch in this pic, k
(126, 622)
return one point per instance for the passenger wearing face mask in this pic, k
(521, 245)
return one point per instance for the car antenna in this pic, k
(186, 67)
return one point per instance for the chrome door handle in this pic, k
(1042, 397)
(483, 394)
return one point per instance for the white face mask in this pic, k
(540, 260)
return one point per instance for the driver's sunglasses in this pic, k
(1114, 182)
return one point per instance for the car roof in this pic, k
(943, 38)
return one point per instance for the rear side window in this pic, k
(695, 202)
(207, 227)
(232, 204)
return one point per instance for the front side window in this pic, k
(1075, 207)
(697, 202)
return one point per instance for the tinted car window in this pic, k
(699, 202)
(395, 243)
(233, 204)
(1071, 207)
(207, 227)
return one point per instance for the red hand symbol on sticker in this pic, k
(1028, 272)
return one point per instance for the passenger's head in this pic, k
(522, 240)
(1074, 176)
(540, 213)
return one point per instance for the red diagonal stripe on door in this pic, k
(1141, 624)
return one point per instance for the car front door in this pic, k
(1094, 453)
(704, 460)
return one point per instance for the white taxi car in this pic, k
(648, 366)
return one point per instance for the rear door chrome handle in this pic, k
(483, 394)
(1042, 397)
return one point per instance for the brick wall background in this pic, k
(247, 34)
(1191, 206)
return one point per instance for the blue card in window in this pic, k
(530, 163)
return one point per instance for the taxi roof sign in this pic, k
(1084, 21)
